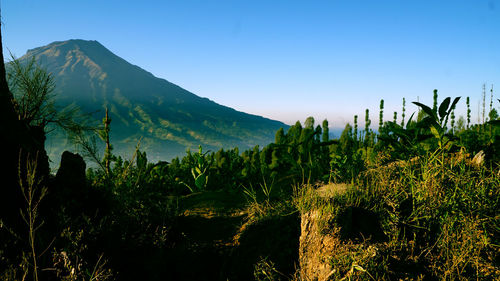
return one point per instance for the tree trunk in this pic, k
(19, 143)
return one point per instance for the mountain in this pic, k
(168, 118)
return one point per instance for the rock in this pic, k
(70, 190)
(71, 170)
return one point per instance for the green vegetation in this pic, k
(33, 87)
(436, 222)
(412, 201)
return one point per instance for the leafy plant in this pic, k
(199, 170)
(437, 124)
(337, 168)
(411, 139)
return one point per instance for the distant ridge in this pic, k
(167, 117)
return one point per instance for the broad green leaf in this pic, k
(426, 109)
(409, 120)
(435, 132)
(200, 181)
(427, 122)
(453, 104)
(443, 107)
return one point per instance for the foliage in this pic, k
(437, 124)
(435, 204)
(32, 87)
(199, 170)
(441, 224)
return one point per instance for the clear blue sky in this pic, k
(287, 59)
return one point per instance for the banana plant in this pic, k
(437, 126)
(436, 121)
(405, 139)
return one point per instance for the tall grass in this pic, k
(33, 194)
(440, 214)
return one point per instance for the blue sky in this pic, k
(286, 60)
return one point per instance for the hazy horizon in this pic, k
(287, 60)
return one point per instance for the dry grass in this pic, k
(441, 219)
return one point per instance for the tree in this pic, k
(309, 123)
(484, 102)
(367, 126)
(491, 98)
(325, 135)
(403, 114)
(104, 135)
(435, 101)
(280, 136)
(20, 144)
(493, 115)
(356, 128)
(34, 100)
(345, 146)
(468, 112)
(460, 124)
(381, 115)
(294, 132)
(32, 88)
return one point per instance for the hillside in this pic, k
(167, 117)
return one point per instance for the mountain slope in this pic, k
(167, 117)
